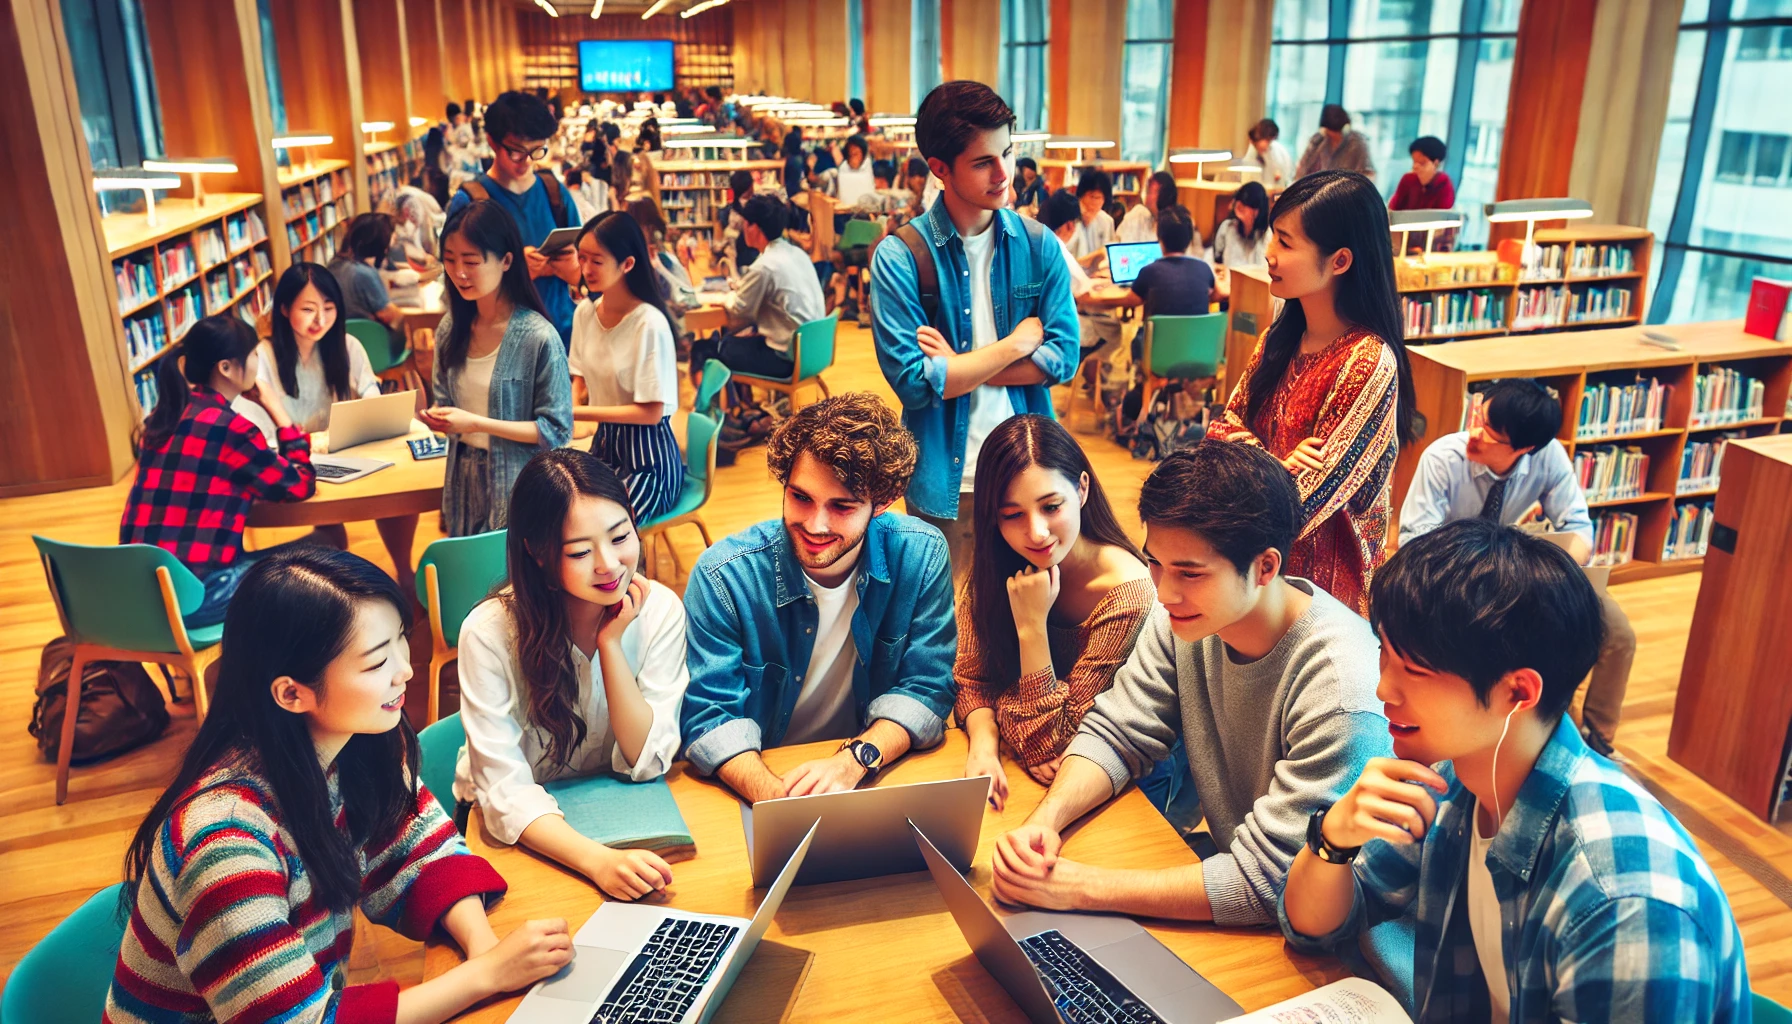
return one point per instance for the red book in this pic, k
(1767, 308)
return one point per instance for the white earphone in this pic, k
(1499, 816)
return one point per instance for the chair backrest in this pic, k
(715, 377)
(109, 595)
(815, 346)
(700, 449)
(466, 570)
(65, 977)
(1769, 1012)
(1188, 347)
(860, 232)
(439, 745)
(373, 337)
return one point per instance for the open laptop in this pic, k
(632, 962)
(1126, 259)
(864, 833)
(362, 420)
(1073, 968)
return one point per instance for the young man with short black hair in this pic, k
(1178, 283)
(1268, 681)
(774, 296)
(1509, 468)
(1426, 186)
(971, 307)
(1094, 193)
(1543, 882)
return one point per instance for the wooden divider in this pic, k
(385, 85)
(423, 41)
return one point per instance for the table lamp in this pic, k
(418, 122)
(304, 141)
(135, 179)
(374, 128)
(1533, 210)
(1245, 170)
(1078, 143)
(1198, 157)
(1428, 221)
(197, 168)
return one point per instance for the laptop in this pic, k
(1076, 968)
(362, 420)
(632, 962)
(864, 833)
(1126, 259)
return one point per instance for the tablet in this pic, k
(1126, 259)
(558, 239)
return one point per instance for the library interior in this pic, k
(1115, 491)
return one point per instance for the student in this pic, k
(1094, 191)
(1266, 680)
(673, 280)
(1426, 186)
(777, 294)
(575, 184)
(1241, 239)
(416, 222)
(1098, 325)
(1004, 330)
(921, 184)
(625, 365)
(364, 245)
(832, 623)
(1509, 468)
(740, 189)
(1176, 284)
(501, 387)
(1029, 188)
(854, 177)
(1540, 880)
(200, 465)
(576, 667)
(1266, 151)
(296, 805)
(519, 126)
(1328, 390)
(1140, 223)
(1056, 597)
(1335, 147)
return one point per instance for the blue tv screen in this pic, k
(625, 65)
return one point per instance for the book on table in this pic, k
(621, 814)
(1350, 1001)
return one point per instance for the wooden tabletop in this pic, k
(406, 487)
(711, 317)
(1572, 352)
(885, 948)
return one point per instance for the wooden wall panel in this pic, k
(457, 66)
(423, 42)
(1188, 70)
(1236, 72)
(831, 50)
(887, 45)
(1057, 63)
(1094, 38)
(1615, 157)
(380, 43)
(971, 39)
(1549, 74)
(320, 76)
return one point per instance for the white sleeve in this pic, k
(1136, 227)
(502, 779)
(662, 676)
(360, 374)
(581, 326)
(1080, 285)
(655, 354)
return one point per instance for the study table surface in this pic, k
(406, 487)
(883, 949)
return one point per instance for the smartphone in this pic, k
(558, 240)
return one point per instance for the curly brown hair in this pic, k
(855, 434)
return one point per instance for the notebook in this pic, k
(621, 814)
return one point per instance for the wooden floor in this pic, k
(52, 858)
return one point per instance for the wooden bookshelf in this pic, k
(693, 193)
(316, 202)
(390, 165)
(1568, 362)
(1129, 176)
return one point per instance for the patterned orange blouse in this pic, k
(1346, 396)
(1037, 717)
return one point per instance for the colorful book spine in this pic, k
(1542, 263)
(1610, 302)
(1540, 307)
(1614, 538)
(136, 279)
(1602, 260)
(1610, 473)
(1725, 396)
(212, 250)
(1452, 312)
(1700, 464)
(147, 394)
(1689, 532)
(184, 310)
(1613, 410)
(144, 336)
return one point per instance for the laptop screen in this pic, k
(1126, 259)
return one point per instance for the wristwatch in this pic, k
(1322, 849)
(866, 754)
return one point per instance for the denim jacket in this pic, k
(752, 630)
(1027, 278)
(1607, 910)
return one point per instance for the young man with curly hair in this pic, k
(831, 623)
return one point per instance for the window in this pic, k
(924, 50)
(855, 49)
(1402, 68)
(1021, 72)
(270, 68)
(1721, 209)
(114, 81)
(1145, 80)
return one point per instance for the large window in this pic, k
(114, 81)
(855, 49)
(1021, 72)
(1402, 68)
(1721, 209)
(1145, 81)
(924, 50)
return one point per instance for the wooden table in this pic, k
(711, 316)
(883, 949)
(427, 313)
(407, 487)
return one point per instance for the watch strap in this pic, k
(1322, 848)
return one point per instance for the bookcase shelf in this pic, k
(698, 190)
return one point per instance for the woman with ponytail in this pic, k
(200, 465)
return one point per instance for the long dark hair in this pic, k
(1166, 191)
(544, 493)
(1020, 442)
(621, 236)
(1255, 196)
(1341, 210)
(293, 615)
(189, 363)
(488, 228)
(332, 348)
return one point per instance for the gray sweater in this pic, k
(1268, 742)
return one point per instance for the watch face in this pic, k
(867, 753)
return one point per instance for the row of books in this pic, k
(708, 180)
(218, 290)
(1539, 307)
(246, 268)
(146, 391)
(1614, 538)
(1414, 274)
(245, 229)
(212, 250)
(178, 264)
(1609, 302)
(144, 336)
(1610, 410)
(184, 310)
(1607, 472)
(1689, 532)
(1700, 463)
(1543, 263)
(315, 250)
(256, 302)
(135, 277)
(1455, 312)
(1600, 260)
(1725, 396)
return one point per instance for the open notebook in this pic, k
(621, 814)
(1350, 1001)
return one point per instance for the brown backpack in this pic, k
(121, 709)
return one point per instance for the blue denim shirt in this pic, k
(1027, 278)
(752, 630)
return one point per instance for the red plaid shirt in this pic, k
(193, 493)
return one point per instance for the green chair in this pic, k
(440, 744)
(699, 482)
(125, 602)
(715, 377)
(859, 233)
(377, 340)
(1182, 348)
(65, 977)
(1769, 1012)
(811, 352)
(454, 575)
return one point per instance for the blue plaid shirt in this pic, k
(1607, 911)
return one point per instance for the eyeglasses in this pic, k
(524, 154)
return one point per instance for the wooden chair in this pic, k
(1182, 348)
(125, 602)
(699, 482)
(454, 575)
(811, 352)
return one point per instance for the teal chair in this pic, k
(1769, 1012)
(699, 482)
(709, 393)
(811, 352)
(454, 575)
(377, 340)
(1182, 348)
(65, 977)
(860, 233)
(125, 602)
(440, 744)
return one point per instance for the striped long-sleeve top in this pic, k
(225, 926)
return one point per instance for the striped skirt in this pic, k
(648, 461)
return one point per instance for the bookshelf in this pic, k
(693, 193)
(197, 261)
(315, 202)
(390, 165)
(1715, 359)
(1129, 177)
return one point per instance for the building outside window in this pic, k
(1145, 80)
(1021, 70)
(924, 50)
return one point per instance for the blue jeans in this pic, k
(221, 585)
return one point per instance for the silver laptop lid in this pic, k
(864, 832)
(762, 921)
(361, 420)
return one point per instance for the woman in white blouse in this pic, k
(1140, 223)
(576, 667)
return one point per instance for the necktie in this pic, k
(1496, 497)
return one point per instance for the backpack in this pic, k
(927, 274)
(1177, 418)
(475, 187)
(121, 709)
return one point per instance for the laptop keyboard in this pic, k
(668, 973)
(1083, 990)
(332, 471)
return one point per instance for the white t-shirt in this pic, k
(635, 361)
(852, 184)
(1093, 235)
(824, 706)
(989, 403)
(475, 394)
(1138, 225)
(1081, 283)
(1484, 922)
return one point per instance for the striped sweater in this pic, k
(225, 927)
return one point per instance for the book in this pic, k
(1614, 409)
(1768, 316)
(621, 814)
(1614, 538)
(1608, 473)
(1725, 396)
(1349, 1001)
(1689, 532)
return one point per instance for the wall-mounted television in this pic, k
(625, 65)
